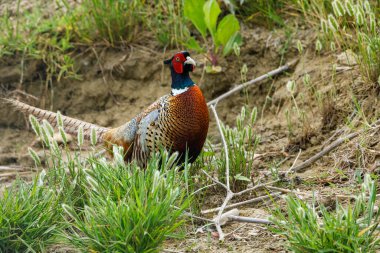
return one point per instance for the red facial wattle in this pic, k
(177, 63)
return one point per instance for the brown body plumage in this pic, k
(178, 122)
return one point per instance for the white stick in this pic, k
(229, 192)
(253, 81)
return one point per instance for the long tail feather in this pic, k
(70, 125)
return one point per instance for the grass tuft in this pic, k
(93, 204)
(30, 215)
(315, 229)
(128, 209)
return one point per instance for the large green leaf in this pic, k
(211, 11)
(193, 10)
(192, 44)
(236, 38)
(227, 27)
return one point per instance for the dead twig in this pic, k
(250, 201)
(290, 170)
(203, 188)
(16, 168)
(250, 220)
(253, 81)
(214, 180)
(331, 147)
(256, 187)
(229, 192)
(218, 220)
(264, 221)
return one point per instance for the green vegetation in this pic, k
(242, 144)
(108, 23)
(114, 21)
(315, 229)
(36, 38)
(93, 205)
(355, 26)
(113, 24)
(30, 215)
(344, 24)
(204, 16)
(129, 209)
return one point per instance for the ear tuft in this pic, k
(168, 61)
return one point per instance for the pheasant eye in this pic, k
(177, 59)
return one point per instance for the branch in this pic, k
(205, 187)
(256, 187)
(250, 201)
(250, 220)
(331, 147)
(214, 180)
(224, 145)
(230, 194)
(265, 221)
(253, 81)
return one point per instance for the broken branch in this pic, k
(331, 147)
(253, 81)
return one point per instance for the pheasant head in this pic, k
(180, 66)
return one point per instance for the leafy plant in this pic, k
(261, 11)
(46, 40)
(129, 209)
(111, 21)
(353, 25)
(30, 214)
(242, 143)
(350, 229)
(204, 16)
(107, 206)
(111, 206)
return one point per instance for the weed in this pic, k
(351, 229)
(129, 209)
(107, 206)
(355, 26)
(110, 205)
(165, 18)
(30, 214)
(204, 16)
(45, 41)
(258, 9)
(242, 144)
(111, 21)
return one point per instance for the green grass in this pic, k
(32, 37)
(347, 229)
(128, 209)
(53, 36)
(262, 10)
(354, 26)
(242, 144)
(120, 22)
(30, 215)
(111, 22)
(92, 204)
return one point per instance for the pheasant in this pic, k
(178, 121)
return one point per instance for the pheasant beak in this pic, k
(190, 61)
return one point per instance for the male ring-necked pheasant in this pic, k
(178, 121)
